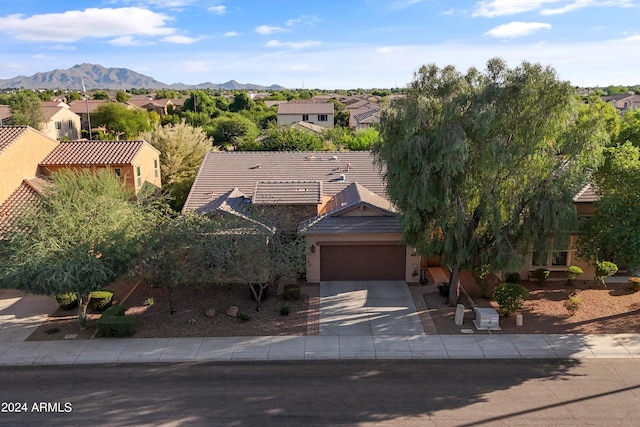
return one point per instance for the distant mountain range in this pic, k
(99, 77)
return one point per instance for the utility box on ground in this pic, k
(487, 319)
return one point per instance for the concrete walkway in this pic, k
(383, 347)
(367, 308)
(21, 314)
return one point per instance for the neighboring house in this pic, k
(363, 118)
(27, 156)
(62, 123)
(623, 101)
(337, 201)
(160, 106)
(136, 162)
(319, 113)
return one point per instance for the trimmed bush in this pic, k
(605, 269)
(443, 289)
(284, 310)
(541, 275)
(113, 323)
(510, 297)
(116, 326)
(513, 277)
(67, 301)
(572, 273)
(99, 301)
(573, 303)
(634, 284)
(291, 292)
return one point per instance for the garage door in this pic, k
(362, 262)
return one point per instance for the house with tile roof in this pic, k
(318, 113)
(60, 122)
(136, 162)
(27, 157)
(336, 200)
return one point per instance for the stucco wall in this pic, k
(20, 160)
(64, 117)
(313, 258)
(289, 119)
(145, 159)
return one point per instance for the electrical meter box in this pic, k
(487, 319)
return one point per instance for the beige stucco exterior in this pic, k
(289, 119)
(20, 160)
(64, 124)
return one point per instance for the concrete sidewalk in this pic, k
(145, 350)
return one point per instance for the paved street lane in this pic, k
(537, 392)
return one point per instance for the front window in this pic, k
(58, 125)
(70, 124)
(557, 257)
(322, 117)
(117, 172)
(305, 117)
(138, 176)
(155, 168)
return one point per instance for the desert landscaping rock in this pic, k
(211, 312)
(232, 311)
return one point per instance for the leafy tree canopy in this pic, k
(233, 129)
(611, 234)
(484, 165)
(120, 121)
(122, 96)
(26, 109)
(101, 94)
(630, 128)
(84, 233)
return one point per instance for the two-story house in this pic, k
(318, 113)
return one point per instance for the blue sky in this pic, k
(329, 44)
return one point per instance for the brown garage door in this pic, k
(362, 262)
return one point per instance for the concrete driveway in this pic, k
(22, 313)
(368, 308)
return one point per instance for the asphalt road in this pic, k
(597, 392)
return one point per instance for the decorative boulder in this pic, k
(232, 311)
(211, 312)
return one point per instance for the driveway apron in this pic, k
(367, 308)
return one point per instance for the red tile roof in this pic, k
(25, 196)
(84, 152)
(306, 108)
(9, 134)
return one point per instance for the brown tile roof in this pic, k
(586, 195)
(288, 193)
(306, 108)
(234, 203)
(24, 197)
(356, 194)
(80, 106)
(222, 171)
(9, 134)
(354, 225)
(84, 152)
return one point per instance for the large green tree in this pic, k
(118, 121)
(612, 232)
(182, 148)
(26, 109)
(83, 234)
(484, 165)
(630, 128)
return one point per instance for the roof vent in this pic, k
(342, 177)
(333, 158)
(348, 167)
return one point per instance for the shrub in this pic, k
(116, 326)
(510, 297)
(541, 275)
(243, 317)
(573, 303)
(99, 301)
(443, 289)
(634, 284)
(572, 273)
(284, 310)
(513, 277)
(291, 292)
(113, 323)
(67, 301)
(605, 269)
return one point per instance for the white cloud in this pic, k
(268, 29)
(292, 45)
(218, 10)
(386, 50)
(125, 41)
(76, 25)
(517, 29)
(493, 8)
(231, 34)
(304, 19)
(42, 56)
(178, 39)
(161, 3)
